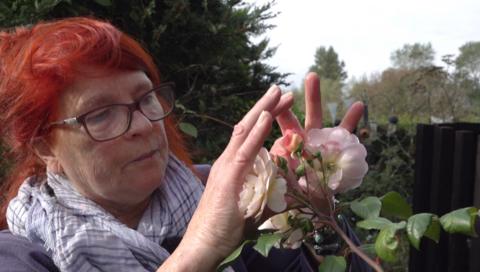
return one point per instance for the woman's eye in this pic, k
(99, 116)
(149, 99)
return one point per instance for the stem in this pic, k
(324, 187)
(319, 214)
(211, 118)
(355, 248)
(332, 223)
(306, 176)
(340, 207)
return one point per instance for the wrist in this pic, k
(190, 256)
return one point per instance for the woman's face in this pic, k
(120, 172)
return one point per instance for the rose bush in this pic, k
(302, 174)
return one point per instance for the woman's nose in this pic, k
(139, 125)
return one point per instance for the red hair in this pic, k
(37, 63)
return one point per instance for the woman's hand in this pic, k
(313, 111)
(217, 226)
(290, 125)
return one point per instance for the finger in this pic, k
(266, 103)
(313, 102)
(352, 117)
(288, 121)
(246, 153)
(286, 102)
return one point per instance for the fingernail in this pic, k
(272, 89)
(262, 118)
(238, 129)
(287, 95)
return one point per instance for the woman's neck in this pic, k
(129, 215)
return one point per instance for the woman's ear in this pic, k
(44, 151)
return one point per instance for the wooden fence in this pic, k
(447, 177)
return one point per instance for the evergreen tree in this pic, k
(205, 47)
(328, 66)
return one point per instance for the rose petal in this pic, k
(315, 138)
(348, 184)
(295, 238)
(276, 195)
(352, 161)
(340, 135)
(335, 179)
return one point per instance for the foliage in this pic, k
(413, 56)
(391, 162)
(206, 47)
(417, 91)
(469, 60)
(314, 214)
(391, 168)
(417, 226)
(328, 66)
(419, 95)
(333, 264)
(467, 72)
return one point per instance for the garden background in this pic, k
(216, 52)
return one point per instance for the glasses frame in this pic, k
(132, 107)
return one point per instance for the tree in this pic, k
(328, 66)
(415, 95)
(332, 73)
(413, 56)
(205, 47)
(467, 66)
(468, 60)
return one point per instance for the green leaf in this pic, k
(300, 171)
(233, 256)
(105, 3)
(188, 129)
(393, 204)
(283, 164)
(266, 241)
(178, 105)
(460, 221)
(386, 244)
(433, 231)
(333, 264)
(45, 4)
(367, 208)
(380, 223)
(369, 249)
(422, 224)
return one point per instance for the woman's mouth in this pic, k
(145, 156)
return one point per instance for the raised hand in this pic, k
(291, 127)
(313, 111)
(217, 226)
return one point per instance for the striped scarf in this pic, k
(81, 236)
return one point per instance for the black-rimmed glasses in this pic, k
(112, 121)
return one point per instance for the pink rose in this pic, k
(343, 158)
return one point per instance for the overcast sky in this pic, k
(364, 33)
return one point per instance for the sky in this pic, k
(365, 33)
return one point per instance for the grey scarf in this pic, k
(81, 236)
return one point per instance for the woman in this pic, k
(102, 180)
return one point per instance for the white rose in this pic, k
(262, 187)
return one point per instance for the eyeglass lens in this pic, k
(112, 121)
